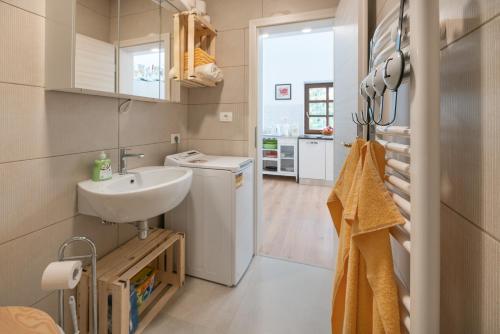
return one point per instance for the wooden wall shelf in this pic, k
(191, 31)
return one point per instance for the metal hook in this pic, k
(399, 59)
(381, 109)
(356, 121)
(366, 120)
(394, 112)
(369, 111)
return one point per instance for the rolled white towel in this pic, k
(209, 72)
(201, 7)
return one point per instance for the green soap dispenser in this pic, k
(102, 168)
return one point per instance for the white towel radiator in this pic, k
(413, 170)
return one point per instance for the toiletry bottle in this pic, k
(102, 168)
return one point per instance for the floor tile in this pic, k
(274, 296)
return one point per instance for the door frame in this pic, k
(254, 114)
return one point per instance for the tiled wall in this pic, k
(48, 141)
(206, 133)
(470, 124)
(470, 160)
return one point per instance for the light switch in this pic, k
(226, 116)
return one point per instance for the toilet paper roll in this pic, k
(61, 275)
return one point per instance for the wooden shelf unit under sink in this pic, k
(164, 250)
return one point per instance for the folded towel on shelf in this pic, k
(209, 72)
(365, 297)
(200, 58)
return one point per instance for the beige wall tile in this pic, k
(23, 260)
(101, 7)
(92, 24)
(184, 95)
(230, 48)
(125, 233)
(49, 304)
(154, 154)
(233, 14)
(128, 231)
(34, 6)
(220, 147)
(21, 46)
(204, 122)
(35, 123)
(247, 50)
(280, 7)
(79, 123)
(147, 123)
(137, 25)
(39, 192)
(470, 277)
(128, 7)
(231, 90)
(462, 16)
(470, 72)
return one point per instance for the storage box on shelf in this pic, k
(193, 37)
(163, 252)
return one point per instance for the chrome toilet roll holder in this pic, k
(93, 257)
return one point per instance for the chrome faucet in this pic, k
(123, 159)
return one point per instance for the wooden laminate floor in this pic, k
(297, 224)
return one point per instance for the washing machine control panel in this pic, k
(188, 156)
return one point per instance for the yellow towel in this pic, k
(365, 295)
(337, 201)
(201, 57)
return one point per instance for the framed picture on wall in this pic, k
(283, 92)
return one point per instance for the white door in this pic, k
(351, 63)
(312, 159)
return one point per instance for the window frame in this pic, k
(307, 101)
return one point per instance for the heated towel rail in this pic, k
(412, 146)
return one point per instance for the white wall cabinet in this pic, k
(316, 160)
(118, 48)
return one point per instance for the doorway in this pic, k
(294, 146)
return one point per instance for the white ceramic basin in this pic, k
(144, 193)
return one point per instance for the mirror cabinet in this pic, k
(119, 48)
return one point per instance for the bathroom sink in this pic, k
(141, 194)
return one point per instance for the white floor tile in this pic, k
(274, 297)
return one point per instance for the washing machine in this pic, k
(217, 216)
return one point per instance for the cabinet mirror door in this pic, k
(144, 48)
(95, 60)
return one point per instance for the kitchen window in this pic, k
(318, 110)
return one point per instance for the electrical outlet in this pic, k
(226, 116)
(175, 138)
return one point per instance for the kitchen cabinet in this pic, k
(329, 160)
(312, 159)
(316, 161)
(281, 159)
